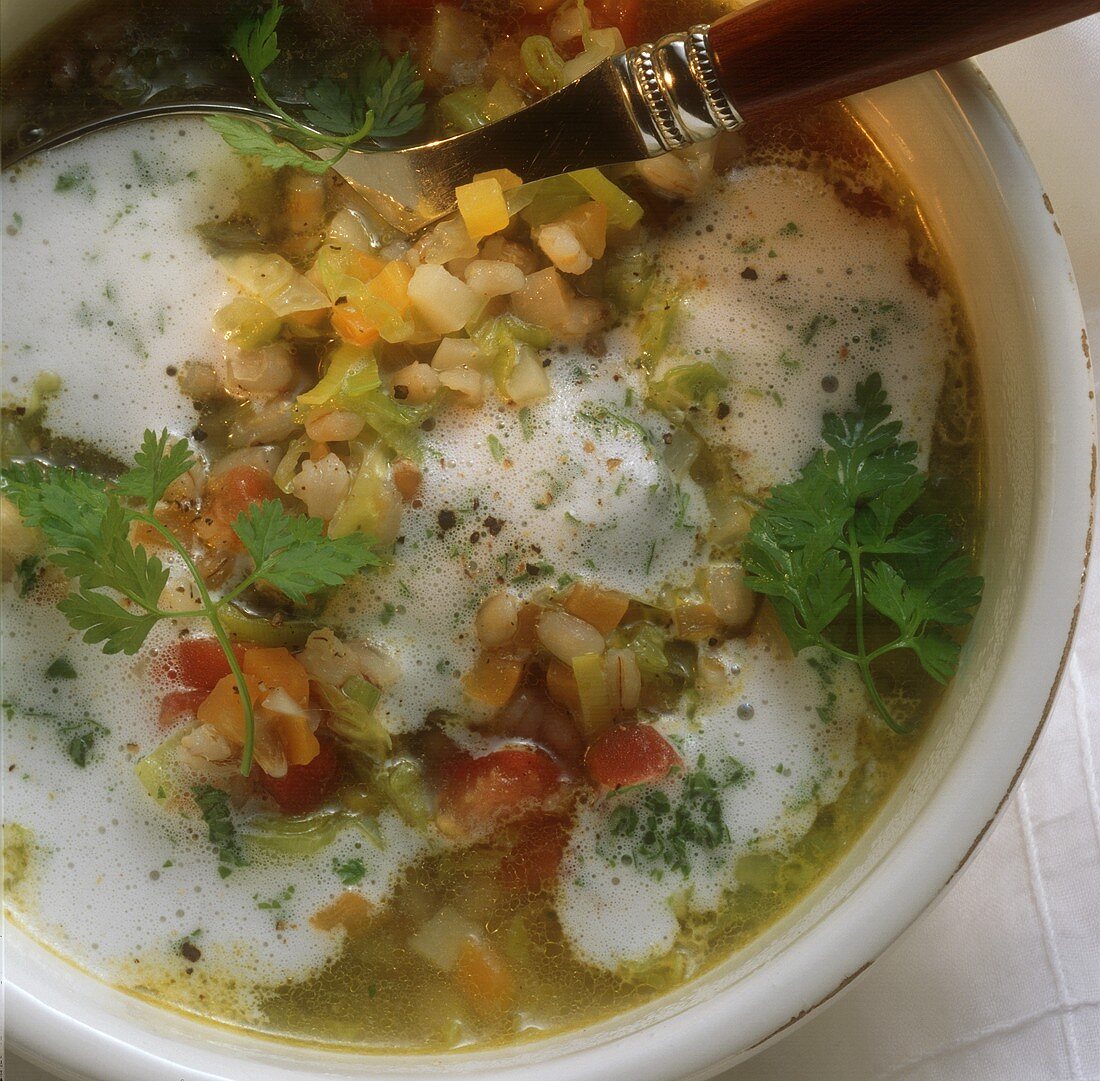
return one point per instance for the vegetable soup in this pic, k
(416, 643)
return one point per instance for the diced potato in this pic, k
(548, 301)
(444, 302)
(482, 207)
(528, 382)
(415, 383)
(458, 353)
(494, 278)
(502, 100)
(445, 241)
(453, 48)
(468, 384)
(561, 245)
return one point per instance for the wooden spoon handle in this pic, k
(776, 54)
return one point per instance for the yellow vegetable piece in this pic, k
(482, 207)
(596, 712)
(391, 284)
(506, 178)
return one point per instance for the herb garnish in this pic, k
(379, 100)
(350, 871)
(844, 535)
(87, 523)
(214, 805)
(662, 832)
(60, 668)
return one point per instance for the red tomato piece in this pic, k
(630, 754)
(179, 706)
(536, 856)
(195, 662)
(477, 794)
(304, 788)
(237, 489)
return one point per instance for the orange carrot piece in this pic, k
(224, 710)
(277, 667)
(493, 678)
(483, 977)
(603, 608)
(354, 327)
(350, 910)
(300, 745)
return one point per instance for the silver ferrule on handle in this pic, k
(673, 91)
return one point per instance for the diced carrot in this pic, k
(695, 622)
(177, 706)
(304, 788)
(534, 859)
(483, 976)
(223, 708)
(478, 794)
(391, 284)
(603, 608)
(300, 745)
(364, 266)
(493, 679)
(276, 667)
(226, 496)
(351, 910)
(526, 637)
(354, 327)
(630, 754)
(561, 685)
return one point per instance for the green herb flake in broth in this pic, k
(213, 804)
(60, 668)
(350, 871)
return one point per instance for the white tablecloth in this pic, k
(1001, 980)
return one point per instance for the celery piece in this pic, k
(303, 835)
(402, 782)
(156, 771)
(655, 331)
(354, 723)
(247, 323)
(648, 643)
(265, 632)
(332, 266)
(542, 62)
(296, 450)
(352, 372)
(685, 386)
(396, 424)
(588, 670)
(552, 197)
(372, 503)
(621, 209)
(464, 109)
(498, 339)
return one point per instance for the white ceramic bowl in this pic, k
(959, 154)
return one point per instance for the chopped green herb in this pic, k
(844, 539)
(213, 803)
(604, 418)
(60, 668)
(818, 323)
(749, 245)
(350, 871)
(496, 448)
(75, 179)
(82, 736)
(26, 573)
(790, 229)
(526, 424)
(387, 613)
(274, 904)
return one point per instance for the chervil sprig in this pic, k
(845, 536)
(381, 99)
(118, 584)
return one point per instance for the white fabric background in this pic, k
(1001, 980)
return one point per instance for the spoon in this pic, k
(651, 99)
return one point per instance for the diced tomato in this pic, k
(179, 706)
(630, 754)
(625, 14)
(536, 856)
(197, 662)
(226, 496)
(478, 794)
(304, 788)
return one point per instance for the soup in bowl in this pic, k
(505, 639)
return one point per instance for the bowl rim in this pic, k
(699, 1041)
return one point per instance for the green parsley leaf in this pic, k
(845, 537)
(159, 462)
(255, 141)
(350, 871)
(380, 99)
(26, 573)
(292, 553)
(213, 804)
